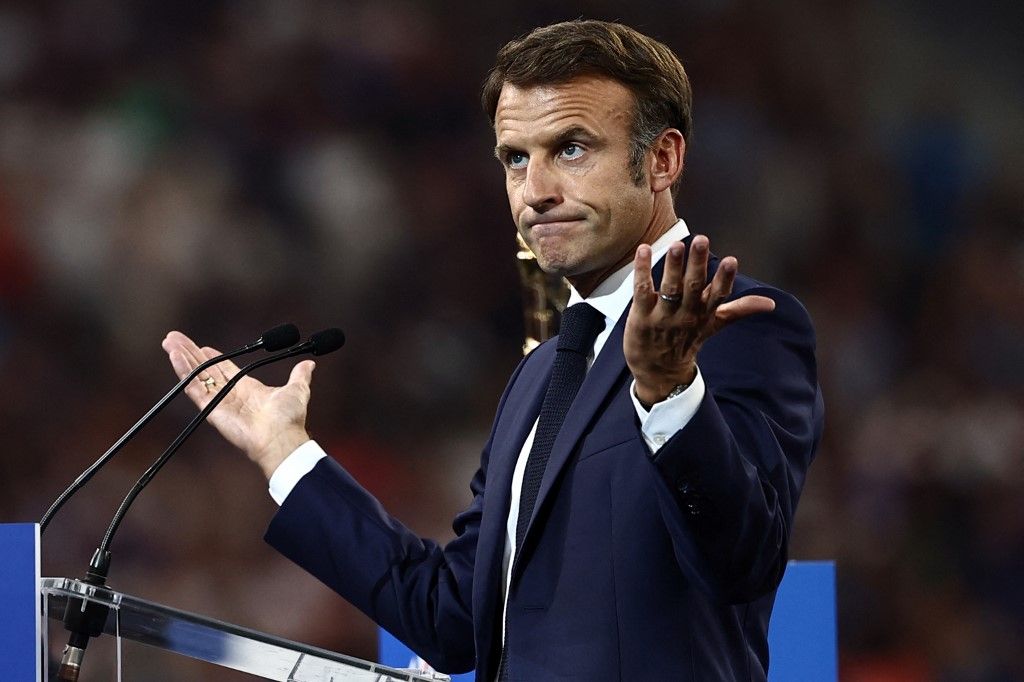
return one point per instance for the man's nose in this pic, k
(542, 189)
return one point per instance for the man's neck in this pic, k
(586, 283)
(606, 296)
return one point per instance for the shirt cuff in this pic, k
(669, 416)
(293, 468)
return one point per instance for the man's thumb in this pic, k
(302, 373)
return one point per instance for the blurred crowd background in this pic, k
(223, 167)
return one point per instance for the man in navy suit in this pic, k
(661, 520)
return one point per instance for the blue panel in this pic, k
(396, 655)
(802, 631)
(20, 643)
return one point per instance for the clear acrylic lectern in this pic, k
(131, 621)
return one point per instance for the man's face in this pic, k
(565, 149)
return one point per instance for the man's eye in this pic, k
(516, 160)
(572, 151)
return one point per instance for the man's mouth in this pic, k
(552, 228)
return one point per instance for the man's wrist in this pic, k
(650, 392)
(284, 444)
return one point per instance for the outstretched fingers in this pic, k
(720, 287)
(671, 290)
(644, 296)
(695, 277)
(185, 356)
(223, 371)
(744, 306)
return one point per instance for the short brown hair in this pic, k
(560, 52)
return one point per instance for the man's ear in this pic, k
(665, 159)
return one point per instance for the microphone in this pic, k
(85, 619)
(274, 339)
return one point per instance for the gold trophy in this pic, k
(544, 298)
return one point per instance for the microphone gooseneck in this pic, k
(272, 340)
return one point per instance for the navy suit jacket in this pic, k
(634, 566)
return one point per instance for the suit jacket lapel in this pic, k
(509, 439)
(521, 410)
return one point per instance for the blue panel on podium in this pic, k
(20, 636)
(802, 632)
(396, 655)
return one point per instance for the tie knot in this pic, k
(581, 323)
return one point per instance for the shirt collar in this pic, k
(613, 294)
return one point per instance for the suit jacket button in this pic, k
(690, 497)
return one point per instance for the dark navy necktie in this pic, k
(580, 326)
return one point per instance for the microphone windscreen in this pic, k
(327, 341)
(280, 337)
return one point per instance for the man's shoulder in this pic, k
(787, 306)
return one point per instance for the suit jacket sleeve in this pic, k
(734, 473)
(418, 590)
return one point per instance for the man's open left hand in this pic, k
(667, 327)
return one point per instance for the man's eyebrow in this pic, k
(580, 133)
(502, 151)
(574, 133)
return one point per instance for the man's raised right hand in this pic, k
(266, 422)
